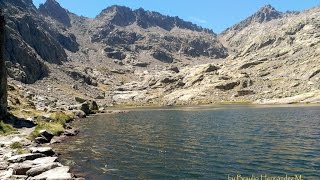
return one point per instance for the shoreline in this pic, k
(177, 107)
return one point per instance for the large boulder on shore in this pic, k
(85, 108)
(61, 173)
(24, 157)
(44, 137)
(42, 150)
(23, 167)
(34, 171)
(89, 107)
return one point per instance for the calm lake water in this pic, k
(198, 143)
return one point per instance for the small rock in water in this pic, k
(79, 114)
(71, 132)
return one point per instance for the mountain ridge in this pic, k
(126, 56)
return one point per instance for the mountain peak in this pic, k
(118, 15)
(53, 9)
(265, 14)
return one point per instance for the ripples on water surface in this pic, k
(198, 144)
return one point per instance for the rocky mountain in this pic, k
(163, 37)
(274, 58)
(139, 57)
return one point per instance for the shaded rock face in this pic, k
(3, 74)
(53, 9)
(162, 56)
(31, 40)
(116, 55)
(116, 38)
(33, 31)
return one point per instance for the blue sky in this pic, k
(214, 14)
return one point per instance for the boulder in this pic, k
(99, 97)
(80, 100)
(24, 157)
(44, 137)
(141, 64)
(58, 139)
(61, 173)
(79, 114)
(252, 63)
(116, 55)
(85, 108)
(71, 132)
(93, 106)
(225, 86)
(21, 168)
(42, 150)
(162, 56)
(3, 165)
(34, 171)
(43, 160)
(41, 140)
(174, 69)
(244, 93)
(6, 174)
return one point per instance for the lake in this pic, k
(197, 143)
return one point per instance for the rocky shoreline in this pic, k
(24, 158)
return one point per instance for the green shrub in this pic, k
(54, 127)
(6, 128)
(16, 145)
(61, 117)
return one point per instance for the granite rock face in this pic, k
(31, 41)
